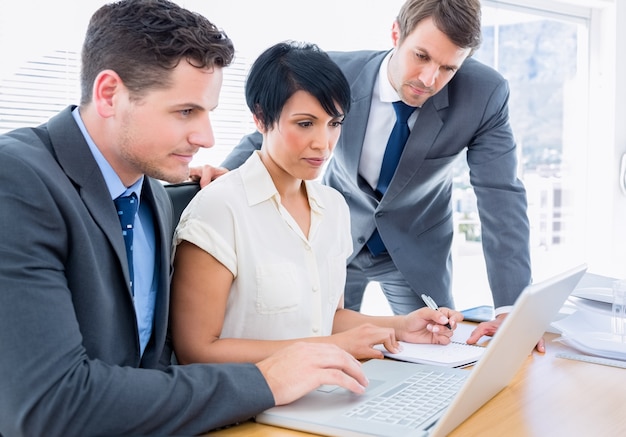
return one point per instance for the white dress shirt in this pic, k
(286, 285)
(381, 119)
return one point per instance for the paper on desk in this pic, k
(449, 355)
(456, 354)
(590, 332)
(595, 288)
(592, 280)
(464, 330)
(592, 305)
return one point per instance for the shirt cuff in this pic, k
(502, 310)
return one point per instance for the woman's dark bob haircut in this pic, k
(288, 67)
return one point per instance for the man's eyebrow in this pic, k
(428, 55)
(189, 105)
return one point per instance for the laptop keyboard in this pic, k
(413, 402)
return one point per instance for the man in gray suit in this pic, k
(459, 104)
(84, 336)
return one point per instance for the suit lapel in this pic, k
(419, 143)
(361, 89)
(75, 158)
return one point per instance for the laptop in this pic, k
(334, 411)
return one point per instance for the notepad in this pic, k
(454, 354)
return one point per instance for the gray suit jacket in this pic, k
(414, 217)
(70, 360)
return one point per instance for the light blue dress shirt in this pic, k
(144, 243)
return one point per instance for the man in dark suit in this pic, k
(458, 104)
(83, 325)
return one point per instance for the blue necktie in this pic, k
(393, 151)
(126, 210)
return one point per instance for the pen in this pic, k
(430, 303)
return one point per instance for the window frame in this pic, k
(603, 233)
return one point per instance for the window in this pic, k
(544, 57)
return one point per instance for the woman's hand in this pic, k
(360, 341)
(426, 325)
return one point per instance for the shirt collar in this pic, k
(259, 186)
(112, 180)
(385, 90)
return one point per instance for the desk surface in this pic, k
(549, 396)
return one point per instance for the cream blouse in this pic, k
(286, 285)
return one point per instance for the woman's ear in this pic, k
(260, 126)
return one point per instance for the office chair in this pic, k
(181, 194)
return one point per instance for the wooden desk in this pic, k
(549, 396)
